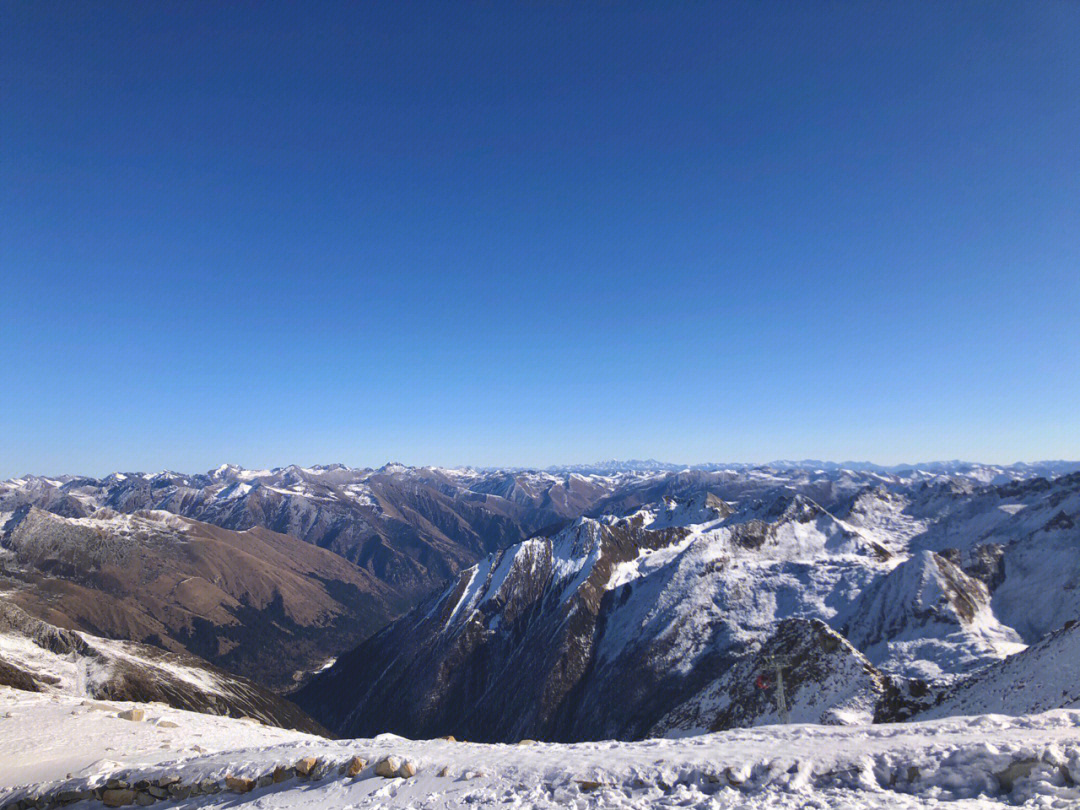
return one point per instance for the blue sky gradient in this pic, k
(535, 233)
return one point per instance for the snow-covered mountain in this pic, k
(602, 601)
(1041, 677)
(621, 626)
(828, 682)
(411, 528)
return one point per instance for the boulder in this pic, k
(179, 791)
(407, 769)
(118, 797)
(239, 784)
(388, 767)
(282, 774)
(354, 766)
(135, 715)
(305, 766)
(144, 799)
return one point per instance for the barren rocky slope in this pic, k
(258, 603)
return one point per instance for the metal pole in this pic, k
(777, 663)
(781, 698)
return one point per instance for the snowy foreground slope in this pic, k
(54, 746)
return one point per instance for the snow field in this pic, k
(53, 743)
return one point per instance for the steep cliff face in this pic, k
(499, 655)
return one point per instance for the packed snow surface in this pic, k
(50, 743)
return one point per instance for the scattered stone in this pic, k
(158, 792)
(209, 786)
(448, 738)
(407, 769)
(168, 779)
(135, 715)
(144, 799)
(281, 774)
(587, 784)
(444, 770)
(117, 784)
(180, 791)
(118, 797)
(167, 724)
(354, 766)
(305, 766)
(321, 769)
(142, 784)
(526, 742)
(239, 784)
(265, 780)
(388, 767)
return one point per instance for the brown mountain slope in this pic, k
(259, 603)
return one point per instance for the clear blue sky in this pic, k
(530, 233)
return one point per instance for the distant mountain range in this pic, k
(617, 599)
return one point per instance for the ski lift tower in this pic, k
(777, 663)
